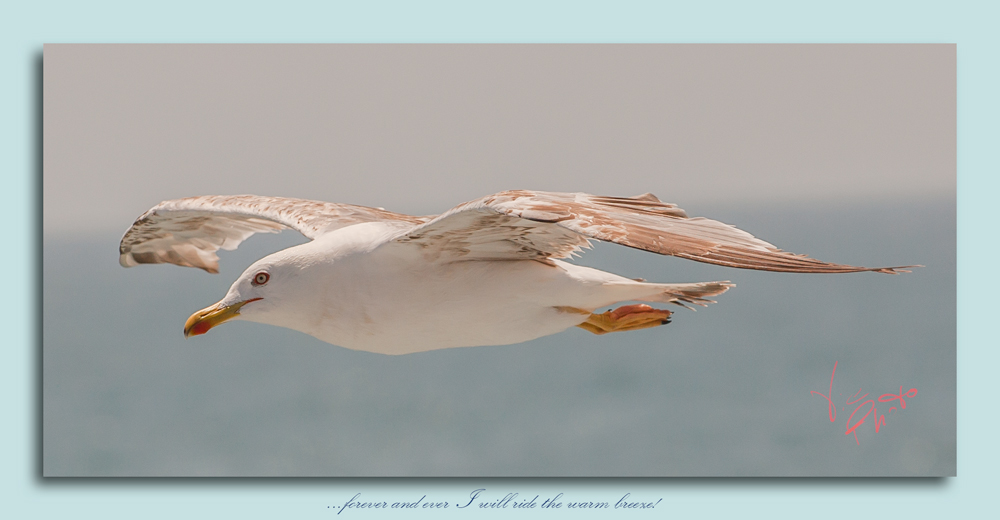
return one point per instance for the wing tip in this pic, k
(126, 260)
(209, 265)
(895, 270)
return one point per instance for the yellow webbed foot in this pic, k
(626, 318)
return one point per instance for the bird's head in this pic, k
(253, 296)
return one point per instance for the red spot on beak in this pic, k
(200, 328)
(203, 320)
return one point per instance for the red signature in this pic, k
(879, 420)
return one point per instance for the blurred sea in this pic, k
(723, 391)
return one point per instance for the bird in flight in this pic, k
(487, 272)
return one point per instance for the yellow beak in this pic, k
(205, 319)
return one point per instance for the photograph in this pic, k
(498, 260)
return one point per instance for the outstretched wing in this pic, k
(539, 225)
(188, 232)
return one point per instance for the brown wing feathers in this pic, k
(188, 232)
(645, 223)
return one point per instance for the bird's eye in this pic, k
(261, 278)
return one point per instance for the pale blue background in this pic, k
(970, 26)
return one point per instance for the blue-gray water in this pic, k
(721, 391)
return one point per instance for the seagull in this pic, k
(487, 272)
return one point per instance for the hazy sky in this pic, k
(420, 128)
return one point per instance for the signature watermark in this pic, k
(856, 419)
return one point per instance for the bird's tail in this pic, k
(683, 293)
